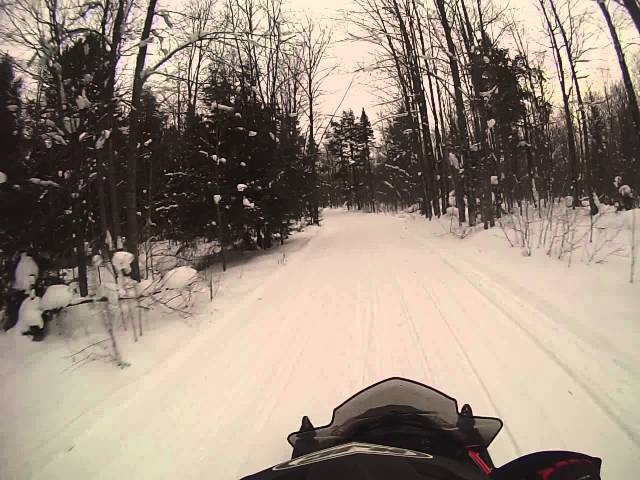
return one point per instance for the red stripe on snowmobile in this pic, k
(475, 456)
(545, 473)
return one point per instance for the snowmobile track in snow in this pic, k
(633, 436)
(478, 377)
(363, 298)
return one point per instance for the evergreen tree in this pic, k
(365, 141)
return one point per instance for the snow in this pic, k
(56, 296)
(96, 260)
(144, 286)
(453, 161)
(26, 273)
(166, 17)
(179, 278)
(103, 138)
(122, 261)
(145, 42)
(71, 124)
(553, 351)
(43, 183)
(110, 291)
(625, 190)
(82, 102)
(29, 314)
(218, 106)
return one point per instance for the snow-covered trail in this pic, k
(367, 298)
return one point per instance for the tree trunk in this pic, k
(476, 54)
(626, 77)
(584, 127)
(460, 114)
(108, 120)
(425, 154)
(571, 139)
(633, 7)
(132, 151)
(102, 200)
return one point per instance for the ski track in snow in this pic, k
(367, 298)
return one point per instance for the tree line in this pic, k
(472, 123)
(126, 123)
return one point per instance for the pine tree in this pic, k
(365, 140)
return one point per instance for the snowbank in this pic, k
(30, 313)
(179, 278)
(56, 296)
(122, 261)
(26, 273)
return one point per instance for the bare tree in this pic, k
(626, 77)
(463, 143)
(314, 41)
(573, 40)
(560, 69)
(132, 149)
(633, 7)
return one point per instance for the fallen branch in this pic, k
(87, 347)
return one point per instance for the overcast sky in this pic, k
(349, 55)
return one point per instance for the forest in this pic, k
(126, 125)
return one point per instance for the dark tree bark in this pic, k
(633, 7)
(460, 113)
(584, 127)
(132, 150)
(108, 122)
(626, 77)
(571, 139)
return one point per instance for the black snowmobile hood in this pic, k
(365, 461)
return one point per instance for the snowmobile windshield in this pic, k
(397, 408)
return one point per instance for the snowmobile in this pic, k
(401, 429)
